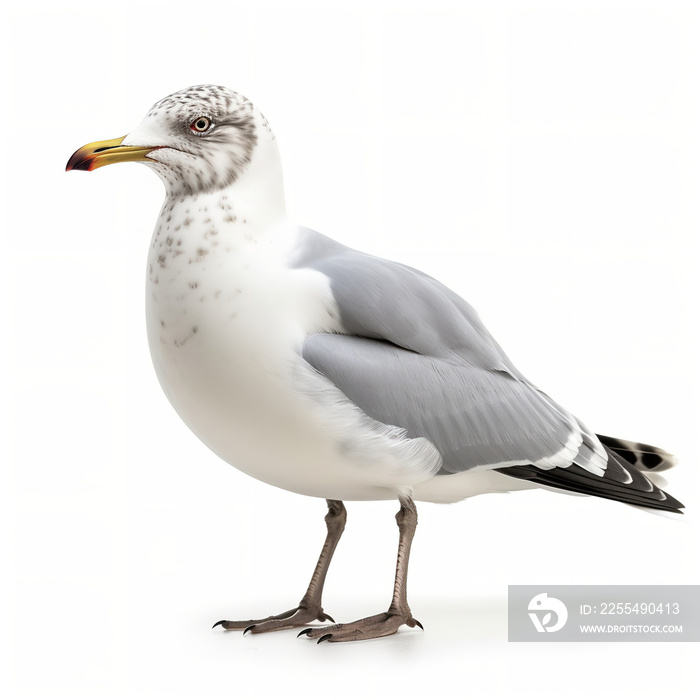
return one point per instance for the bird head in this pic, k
(198, 140)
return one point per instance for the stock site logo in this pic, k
(540, 610)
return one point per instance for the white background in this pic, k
(541, 158)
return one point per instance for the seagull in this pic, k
(327, 371)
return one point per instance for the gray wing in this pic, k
(385, 300)
(416, 355)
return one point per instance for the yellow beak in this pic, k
(95, 155)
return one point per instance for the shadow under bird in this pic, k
(327, 371)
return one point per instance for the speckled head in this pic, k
(210, 135)
(198, 140)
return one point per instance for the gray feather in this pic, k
(474, 416)
(417, 356)
(386, 300)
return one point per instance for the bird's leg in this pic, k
(309, 608)
(398, 613)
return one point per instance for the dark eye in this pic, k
(201, 124)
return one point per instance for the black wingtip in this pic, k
(639, 492)
(641, 455)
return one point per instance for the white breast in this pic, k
(226, 321)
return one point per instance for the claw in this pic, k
(248, 629)
(306, 631)
(323, 639)
(419, 625)
(216, 624)
(326, 616)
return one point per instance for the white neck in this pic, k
(257, 195)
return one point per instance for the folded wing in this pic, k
(415, 355)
